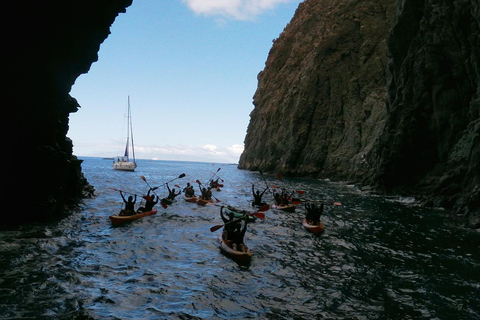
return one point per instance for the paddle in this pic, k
(179, 177)
(162, 203)
(259, 215)
(214, 174)
(134, 194)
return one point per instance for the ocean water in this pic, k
(379, 258)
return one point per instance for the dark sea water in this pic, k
(379, 258)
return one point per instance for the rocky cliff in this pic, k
(48, 44)
(380, 92)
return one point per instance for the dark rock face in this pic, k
(381, 92)
(48, 45)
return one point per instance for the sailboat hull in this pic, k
(124, 166)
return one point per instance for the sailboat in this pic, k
(123, 162)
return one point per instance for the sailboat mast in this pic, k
(131, 130)
(128, 130)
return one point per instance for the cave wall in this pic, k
(380, 92)
(48, 44)
(320, 100)
(431, 141)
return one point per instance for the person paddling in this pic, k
(229, 227)
(129, 205)
(189, 191)
(313, 213)
(149, 202)
(171, 193)
(257, 196)
(237, 237)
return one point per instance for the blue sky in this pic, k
(190, 68)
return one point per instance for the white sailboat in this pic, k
(123, 162)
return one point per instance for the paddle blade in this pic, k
(181, 176)
(143, 178)
(215, 228)
(164, 205)
(176, 185)
(264, 208)
(337, 204)
(259, 215)
(274, 187)
(296, 202)
(154, 188)
(216, 199)
(218, 169)
(220, 185)
(300, 191)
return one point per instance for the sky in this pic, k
(190, 68)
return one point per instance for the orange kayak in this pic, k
(317, 229)
(203, 202)
(190, 199)
(239, 257)
(116, 219)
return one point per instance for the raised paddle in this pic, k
(179, 177)
(259, 215)
(124, 191)
(162, 203)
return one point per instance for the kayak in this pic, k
(203, 202)
(312, 228)
(242, 258)
(237, 213)
(116, 219)
(190, 199)
(168, 201)
(286, 208)
(258, 205)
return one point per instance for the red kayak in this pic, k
(116, 219)
(316, 229)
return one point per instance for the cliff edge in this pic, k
(385, 93)
(48, 44)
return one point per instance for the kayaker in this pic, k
(171, 193)
(313, 213)
(129, 205)
(189, 192)
(317, 213)
(229, 227)
(278, 198)
(237, 237)
(257, 196)
(214, 184)
(149, 202)
(206, 193)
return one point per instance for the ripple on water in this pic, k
(378, 259)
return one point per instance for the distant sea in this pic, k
(379, 258)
